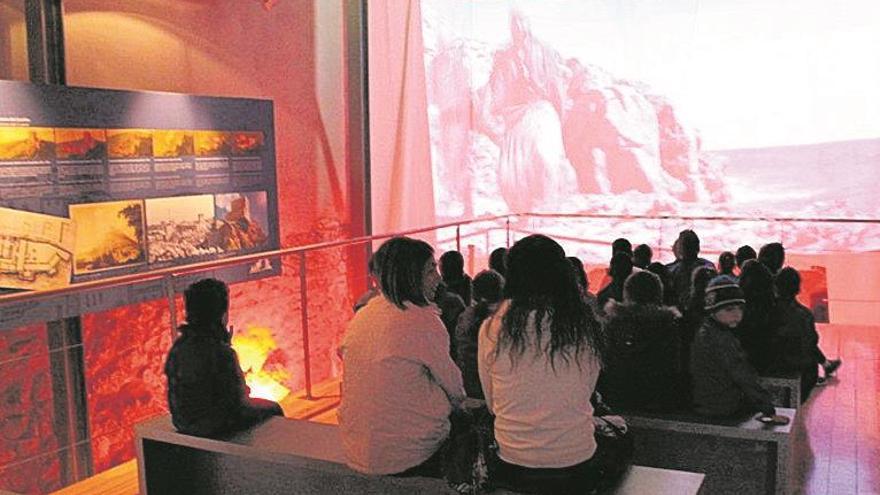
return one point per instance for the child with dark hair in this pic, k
(539, 358)
(743, 254)
(795, 340)
(400, 383)
(207, 394)
(498, 261)
(456, 280)
(724, 383)
(772, 256)
(726, 264)
(642, 255)
(760, 315)
(662, 271)
(451, 307)
(621, 268)
(643, 365)
(488, 286)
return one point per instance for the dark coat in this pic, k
(755, 332)
(643, 365)
(461, 286)
(724, 383)
(207, 394)
(681, 272)
(794, 343)
(465, 346)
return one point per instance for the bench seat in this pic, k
(295, 456)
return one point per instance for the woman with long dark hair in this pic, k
(539, 360)
(400, 383)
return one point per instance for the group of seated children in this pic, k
(528, 338)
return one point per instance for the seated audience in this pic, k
(498, 261)
(582, 280)
(488, 285)
(726, 264)
(643, 366)
(207, 394)
(456, 280)
(539, 359)
(621, 268)
(451, 306)
(400, 383)
(796, 342)
(724, 383)
(642, 255)
(760, 316)
(621, 245)
(743, 254)
(689, 247)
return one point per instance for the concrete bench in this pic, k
(785, 388)
(302, 457)
(743, 456)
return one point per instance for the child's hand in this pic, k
(775, 419)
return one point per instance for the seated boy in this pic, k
(724, 383)
(207, 394)
(796, 342)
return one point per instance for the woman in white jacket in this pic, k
(400, 384)
(539, 359)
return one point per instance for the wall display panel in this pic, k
(147, 180)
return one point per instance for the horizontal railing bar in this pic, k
(214, 264)
(713, 218)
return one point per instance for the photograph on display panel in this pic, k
(36, 251)
(109, 235)
(212, 143)
(173, 143)
(244, 220)
(181, 227)
(129, 143)
(80, 144)
(26, 143)
(246, 143)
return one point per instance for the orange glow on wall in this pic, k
(255, 346)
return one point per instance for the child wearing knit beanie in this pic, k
(724, 383)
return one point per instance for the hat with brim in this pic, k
(723, 291)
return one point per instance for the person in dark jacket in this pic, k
(456, 280)
(726, 264)
(498, 261)
(760, 316)
(451, 307)
(724, 383)
(772, 256)
(488, 289)
(621, 268)
(581, 275)
(642, 255)
(795, 340)
(642, 368)
(689, 247)
(695, 309)
(743, 254)
(207, 394)
(662, 271)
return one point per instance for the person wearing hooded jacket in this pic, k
(643, 368)
(207, 394)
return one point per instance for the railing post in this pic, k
(508, 232)
(168, 282)
(304, 313)
(472, 250)
(458, 238)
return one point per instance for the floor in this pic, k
(838, 451)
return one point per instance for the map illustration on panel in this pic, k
(129, 143)
(247, 143)
(244, 220)
(181, 227)
(36, 251)
(109, 235)
(80, 144)
(26, 143)
(212, 143)
(172, 144)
